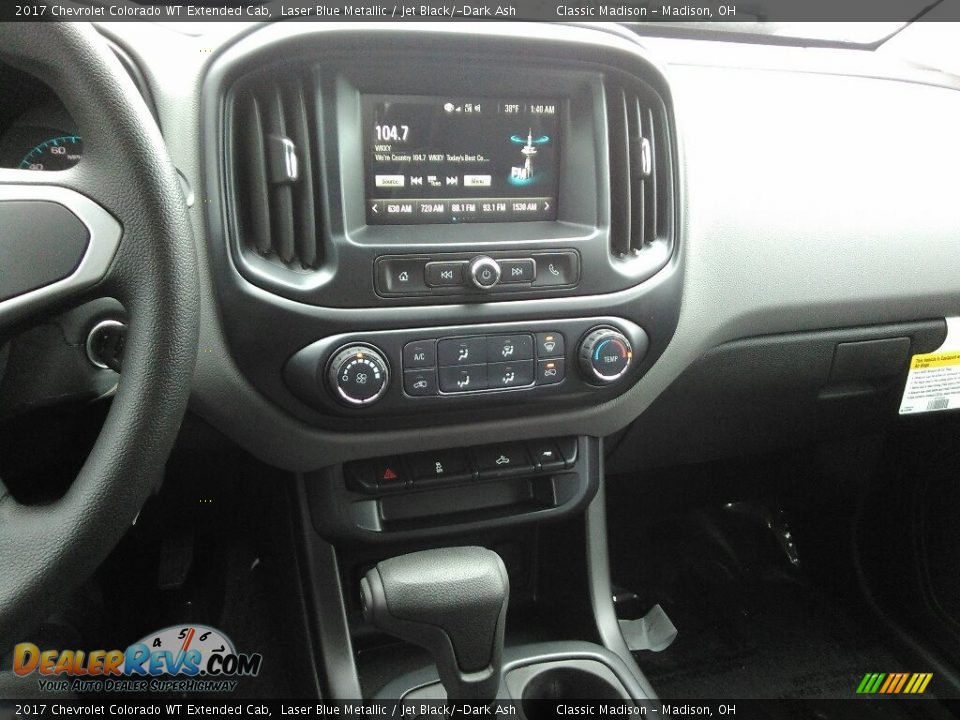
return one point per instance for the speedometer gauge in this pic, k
(56, 153)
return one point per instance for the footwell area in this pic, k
(752, 623)
(749, 626)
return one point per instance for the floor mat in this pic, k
(750, 624)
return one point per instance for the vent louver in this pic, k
(639, 169)
(274, 163)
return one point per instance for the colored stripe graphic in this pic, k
(900, 682)
(894, 683)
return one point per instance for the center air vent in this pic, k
(273, 163)
(640, 169)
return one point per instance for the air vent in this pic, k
(273, 162)
(639, 169)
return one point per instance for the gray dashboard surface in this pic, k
(810, 199)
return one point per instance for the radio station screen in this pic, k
(459, 160)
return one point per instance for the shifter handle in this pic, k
(451, 601)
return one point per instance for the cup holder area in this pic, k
(564, 683)
(563, 680)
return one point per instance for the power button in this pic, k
(484, 272)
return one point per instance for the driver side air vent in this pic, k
(273, 165)
(640, 169)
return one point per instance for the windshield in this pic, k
(841, 33)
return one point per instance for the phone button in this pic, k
(464, 378)
(558, 268)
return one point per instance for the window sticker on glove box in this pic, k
(933, 383)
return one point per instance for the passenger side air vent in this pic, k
(640, 169)
(273, 170)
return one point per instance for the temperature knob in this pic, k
(359, 374)
(605, 356)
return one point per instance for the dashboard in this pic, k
(36, 131)
(453, 276)
(411, 235)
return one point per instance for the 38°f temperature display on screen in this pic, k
(459, 160)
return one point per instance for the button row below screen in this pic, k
(425, 275)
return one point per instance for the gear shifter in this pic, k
(451, 601)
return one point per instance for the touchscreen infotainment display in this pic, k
(459, 160)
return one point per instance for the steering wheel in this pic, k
(139, 249)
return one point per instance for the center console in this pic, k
(416, 234)
(405, 230)
(401, 545)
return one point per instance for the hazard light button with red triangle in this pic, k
(390, 475)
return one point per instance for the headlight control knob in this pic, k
(359, 374)
(605, 356)
(484, 272)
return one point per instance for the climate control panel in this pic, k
(392, 371)
(482, 363)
